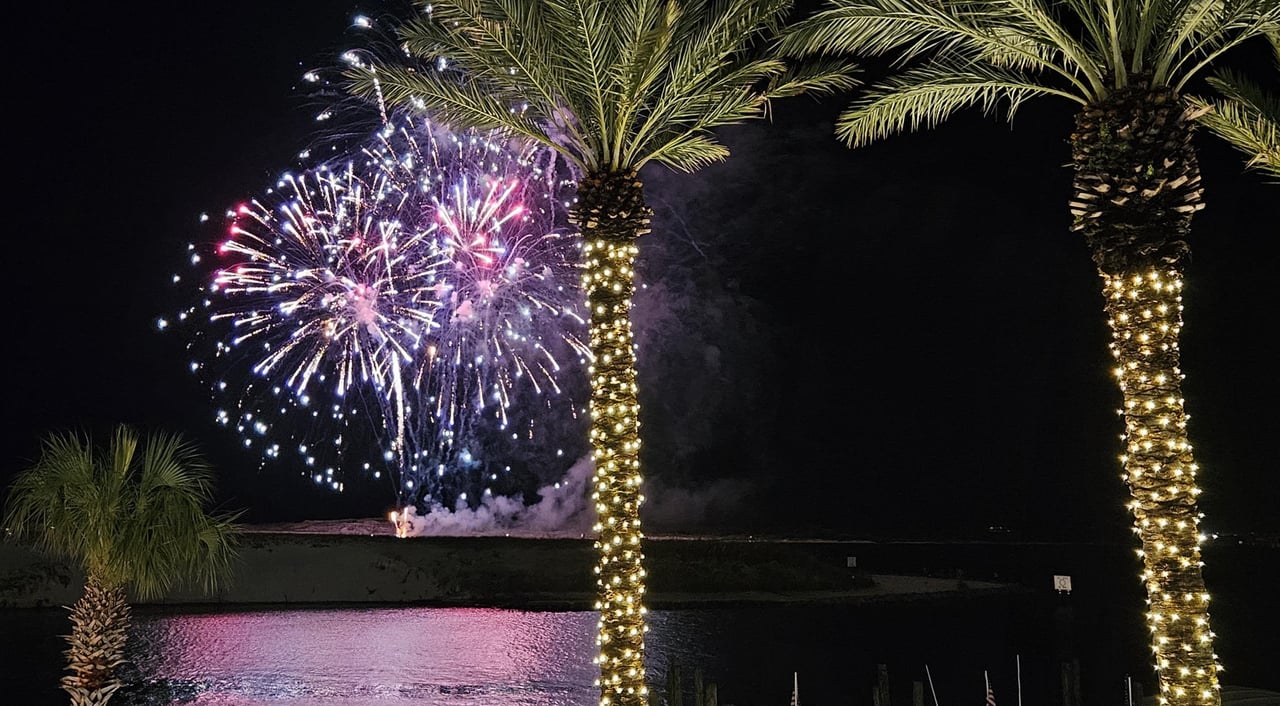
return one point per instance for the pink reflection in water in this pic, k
(381, 656)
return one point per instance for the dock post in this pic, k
(882, 685)
(1071, 683)
(675, 690)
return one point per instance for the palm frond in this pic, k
(926, 96)
(1191, 34)
(1094, 17)
(130, 514)
(819, 78)
(876, 28)
(1182, 22)
(498, 43)
(609, 84)
(713, 77)
(217, 552)
(1015, 50)
(646, 51)
(43, 503)
(1145, 28)
(1015, 34)
(724, 28)
(591, 43)
(691, 152)
(1049, 29)
(451, 100)
(644, 57)
(1246, 117)
(725, 99)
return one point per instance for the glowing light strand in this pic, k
(612, 215)
(1145, 315)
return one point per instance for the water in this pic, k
(395, 656)
(473, 657)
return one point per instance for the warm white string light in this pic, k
(1145, 315)
(608, 257)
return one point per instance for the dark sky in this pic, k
(903, 338)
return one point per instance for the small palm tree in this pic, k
(1247, 116)
(132, 516)
(611, 85)
(1124, 64)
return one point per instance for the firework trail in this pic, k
(509, 301)
(412, 310)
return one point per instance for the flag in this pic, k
(795, 689)
(991, 697)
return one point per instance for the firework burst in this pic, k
(410, 310)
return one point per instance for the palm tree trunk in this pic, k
(99, 630)
(612, 214)
(1137, 187)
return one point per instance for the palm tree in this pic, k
(131, 516)
(1137, 185)
(611, 86)
(1247, 116)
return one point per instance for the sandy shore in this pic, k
(359, 561)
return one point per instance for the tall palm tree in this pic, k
(1247, 116)
(611, 85)
(132, 516)
(1137, 184)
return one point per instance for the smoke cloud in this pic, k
(564, 510)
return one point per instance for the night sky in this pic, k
(903, 339)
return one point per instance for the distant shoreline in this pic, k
(310, 568)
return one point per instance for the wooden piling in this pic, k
(880, 692)
(675, 690)
(1071, 683)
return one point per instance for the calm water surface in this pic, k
(489, 657)
(350, 656)
(383, 656)
(396, 656)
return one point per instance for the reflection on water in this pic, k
(396, 656)
(391, 656)
(372, 656)
(385, 656)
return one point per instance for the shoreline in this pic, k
(304, 569)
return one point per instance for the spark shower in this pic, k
(410, 314)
